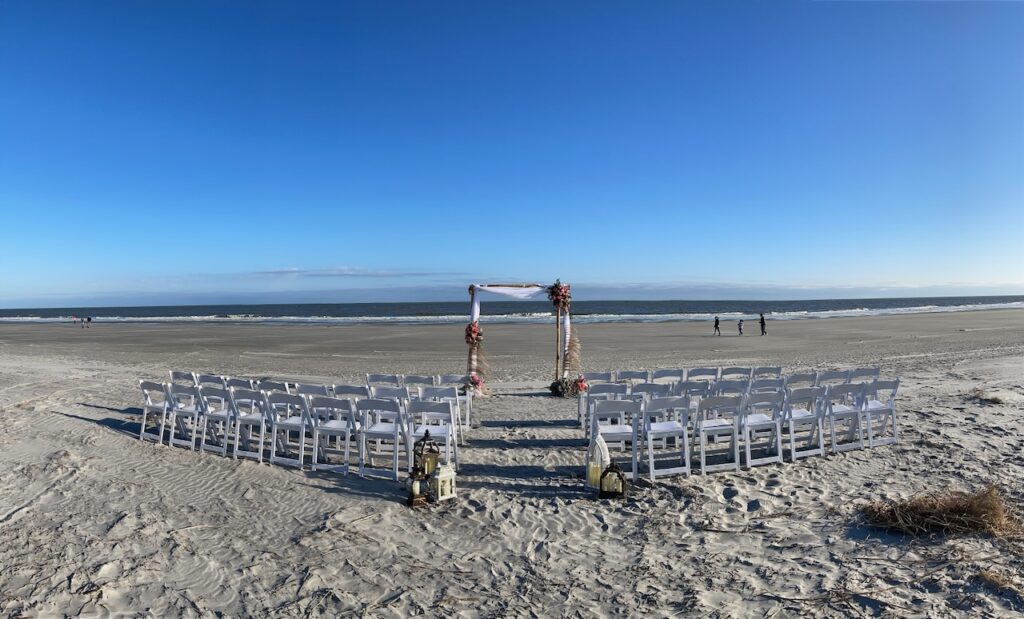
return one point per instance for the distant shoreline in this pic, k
(503, 312)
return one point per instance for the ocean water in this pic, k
(498, 311)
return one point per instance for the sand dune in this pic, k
(96, 522)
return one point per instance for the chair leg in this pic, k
(778, 441)
(821, 437)
(650, 456)
(703, 455)
(202, 435)
(394, 459)
(832, 432)
(736, 449)
(348, 443)
(686, 451)
(316, 449)
(747, 437)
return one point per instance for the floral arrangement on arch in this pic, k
(474, 334)
(559, 295)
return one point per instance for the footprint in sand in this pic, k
(729, 493)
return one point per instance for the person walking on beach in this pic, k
(740, 325)
(717, 330)
(763, 330)
(88, 321)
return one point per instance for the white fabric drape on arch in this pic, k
(517, 292)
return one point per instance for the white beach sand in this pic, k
(93, 521)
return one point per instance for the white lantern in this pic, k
(598, 459)
(442, 483)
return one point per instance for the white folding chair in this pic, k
(803, 412)
(240, 383)
(674, 375)
(384, 422)
(719, 416)
(864, 375)
(415, 381)
(447, 394)
(693, 391)
(249, 417)
(215, 423)
(394, 380)
(629, 376)
(762, 412)
(662, 420)
(183, 378)
(614, 420)
(309, 389)
(598, 377)
(155, 403)
(735, 373)
(337, 419)
(389, 392)
(601, 391)
(705, 374)
(880, 411)
(289, 414)
(438, 418)
(801, 380)
(774, 371)
(831, 378)
(843, 406)
(460, 382)
(767, 385)
(209, 380)
(183, 415)
(272, 386)
(350, 392)
(738, 387)
(652, 390)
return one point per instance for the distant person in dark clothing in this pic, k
(717, 330)
(740, 325)
(88, 321)
(763, 330)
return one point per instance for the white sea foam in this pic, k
(525, 317)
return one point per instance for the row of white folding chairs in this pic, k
(682, 374)
(866, 413)
(440, 386)
(415, 381)
(718, 386)
(729, 373)
(210, 418)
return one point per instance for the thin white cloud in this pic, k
(347, 272)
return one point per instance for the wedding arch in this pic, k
(566, 344)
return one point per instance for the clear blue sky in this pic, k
(162, 150)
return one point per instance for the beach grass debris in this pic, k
(949, 512)
(982, 397)
(997, 581)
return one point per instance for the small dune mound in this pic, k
(950, 511)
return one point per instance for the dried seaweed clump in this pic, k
(950, 511)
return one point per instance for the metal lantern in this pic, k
(425, 454)
(442, 483)
(613, 483)
(417, 484)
